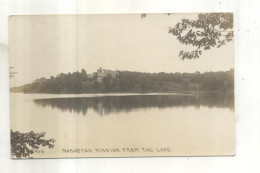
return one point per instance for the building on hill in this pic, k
(91, 75)
(101, 73)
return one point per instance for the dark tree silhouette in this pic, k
(4, 47)
(127, 81)
(24, 144)
(11, 72)
(209, 30)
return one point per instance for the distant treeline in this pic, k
(126, 81)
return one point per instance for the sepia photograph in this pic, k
(121, 85)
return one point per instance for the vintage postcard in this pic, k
(121, 85)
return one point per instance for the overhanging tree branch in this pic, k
(202, 32)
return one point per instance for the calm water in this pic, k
(188, 124)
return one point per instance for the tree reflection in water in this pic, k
(110, 104)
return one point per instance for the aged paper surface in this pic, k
(121, 85)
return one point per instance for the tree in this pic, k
(209, 30)
(107, 82)
(84, 75)
(186, 83)
(11, 72)
(24, 144)
(126, 81)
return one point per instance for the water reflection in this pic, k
(115, 104)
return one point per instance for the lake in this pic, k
(184, 124)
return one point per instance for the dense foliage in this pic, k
(126, 81)
(24, 144)
(209, 30)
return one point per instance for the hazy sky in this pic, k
(44, 46)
